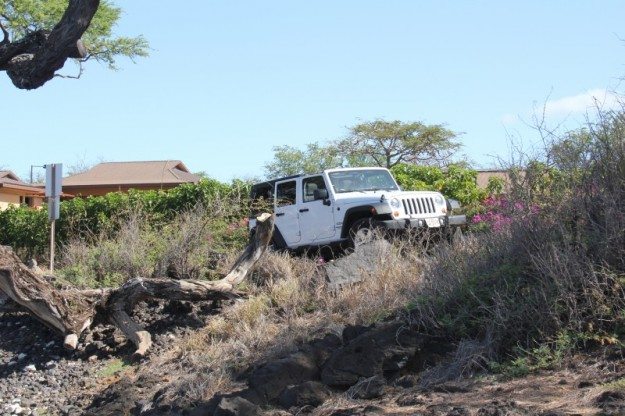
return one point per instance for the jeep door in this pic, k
(287, 215)
(316, 215)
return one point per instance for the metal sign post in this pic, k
(54, 176)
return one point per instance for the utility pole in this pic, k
(31, 171)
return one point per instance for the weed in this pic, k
(113, 368)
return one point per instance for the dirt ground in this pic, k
(586, 385)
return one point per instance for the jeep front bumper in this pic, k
(424, 223)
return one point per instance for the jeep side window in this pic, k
(285, 193)
(310, 185)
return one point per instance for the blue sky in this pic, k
(226, 81)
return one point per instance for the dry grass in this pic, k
(288, 305)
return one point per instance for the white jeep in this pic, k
(340, 205)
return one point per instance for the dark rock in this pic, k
(272, 378)
(407, 381)
(458, 411)
(322, 348)
(176, 307)
(609, 397)
(369, 388)
(309, 393)
(204, 409)
(384, 349)
(354, 331)
(236, 406)
(410, 399)
(584, 384)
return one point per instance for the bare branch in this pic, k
(80, 71)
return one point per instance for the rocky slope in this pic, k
(365, 370)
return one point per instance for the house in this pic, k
(122, 176)
(15, 192)
(483, 176)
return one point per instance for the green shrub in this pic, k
(457, 181)
(92, 218)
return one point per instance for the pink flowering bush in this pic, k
(498, 212)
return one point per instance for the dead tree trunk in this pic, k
(71, 311)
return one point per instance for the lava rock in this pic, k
(354, 331)
(322, 348)
(407, 381)
(236, 406)
(386, 348)
(309, 393)
(272, 378)
(367, 388)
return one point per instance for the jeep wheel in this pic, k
(363, 231)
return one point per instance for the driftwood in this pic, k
(71, 311)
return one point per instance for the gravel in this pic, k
(38, 376)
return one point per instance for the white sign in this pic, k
(54, 208)
(54, 177)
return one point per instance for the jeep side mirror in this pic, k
(320, 194)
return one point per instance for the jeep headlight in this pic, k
(439, 200)
(395, 203)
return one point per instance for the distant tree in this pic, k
(290, 160)
(79, 167)
(388, 143)
(40, 35)
(573, 151)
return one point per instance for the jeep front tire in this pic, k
(363, 231)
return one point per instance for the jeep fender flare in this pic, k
(354, 214)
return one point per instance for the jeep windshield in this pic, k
(362, 180)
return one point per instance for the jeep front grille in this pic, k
(413, 206)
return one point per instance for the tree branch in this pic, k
(33, 60)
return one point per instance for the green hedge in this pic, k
(457, 182)
(27, 230)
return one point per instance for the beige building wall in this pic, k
(6, 200)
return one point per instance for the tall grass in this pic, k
(192, 245)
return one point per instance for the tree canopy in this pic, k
(388, 143)
(290, 160)
(376, 143)
(40, 35)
